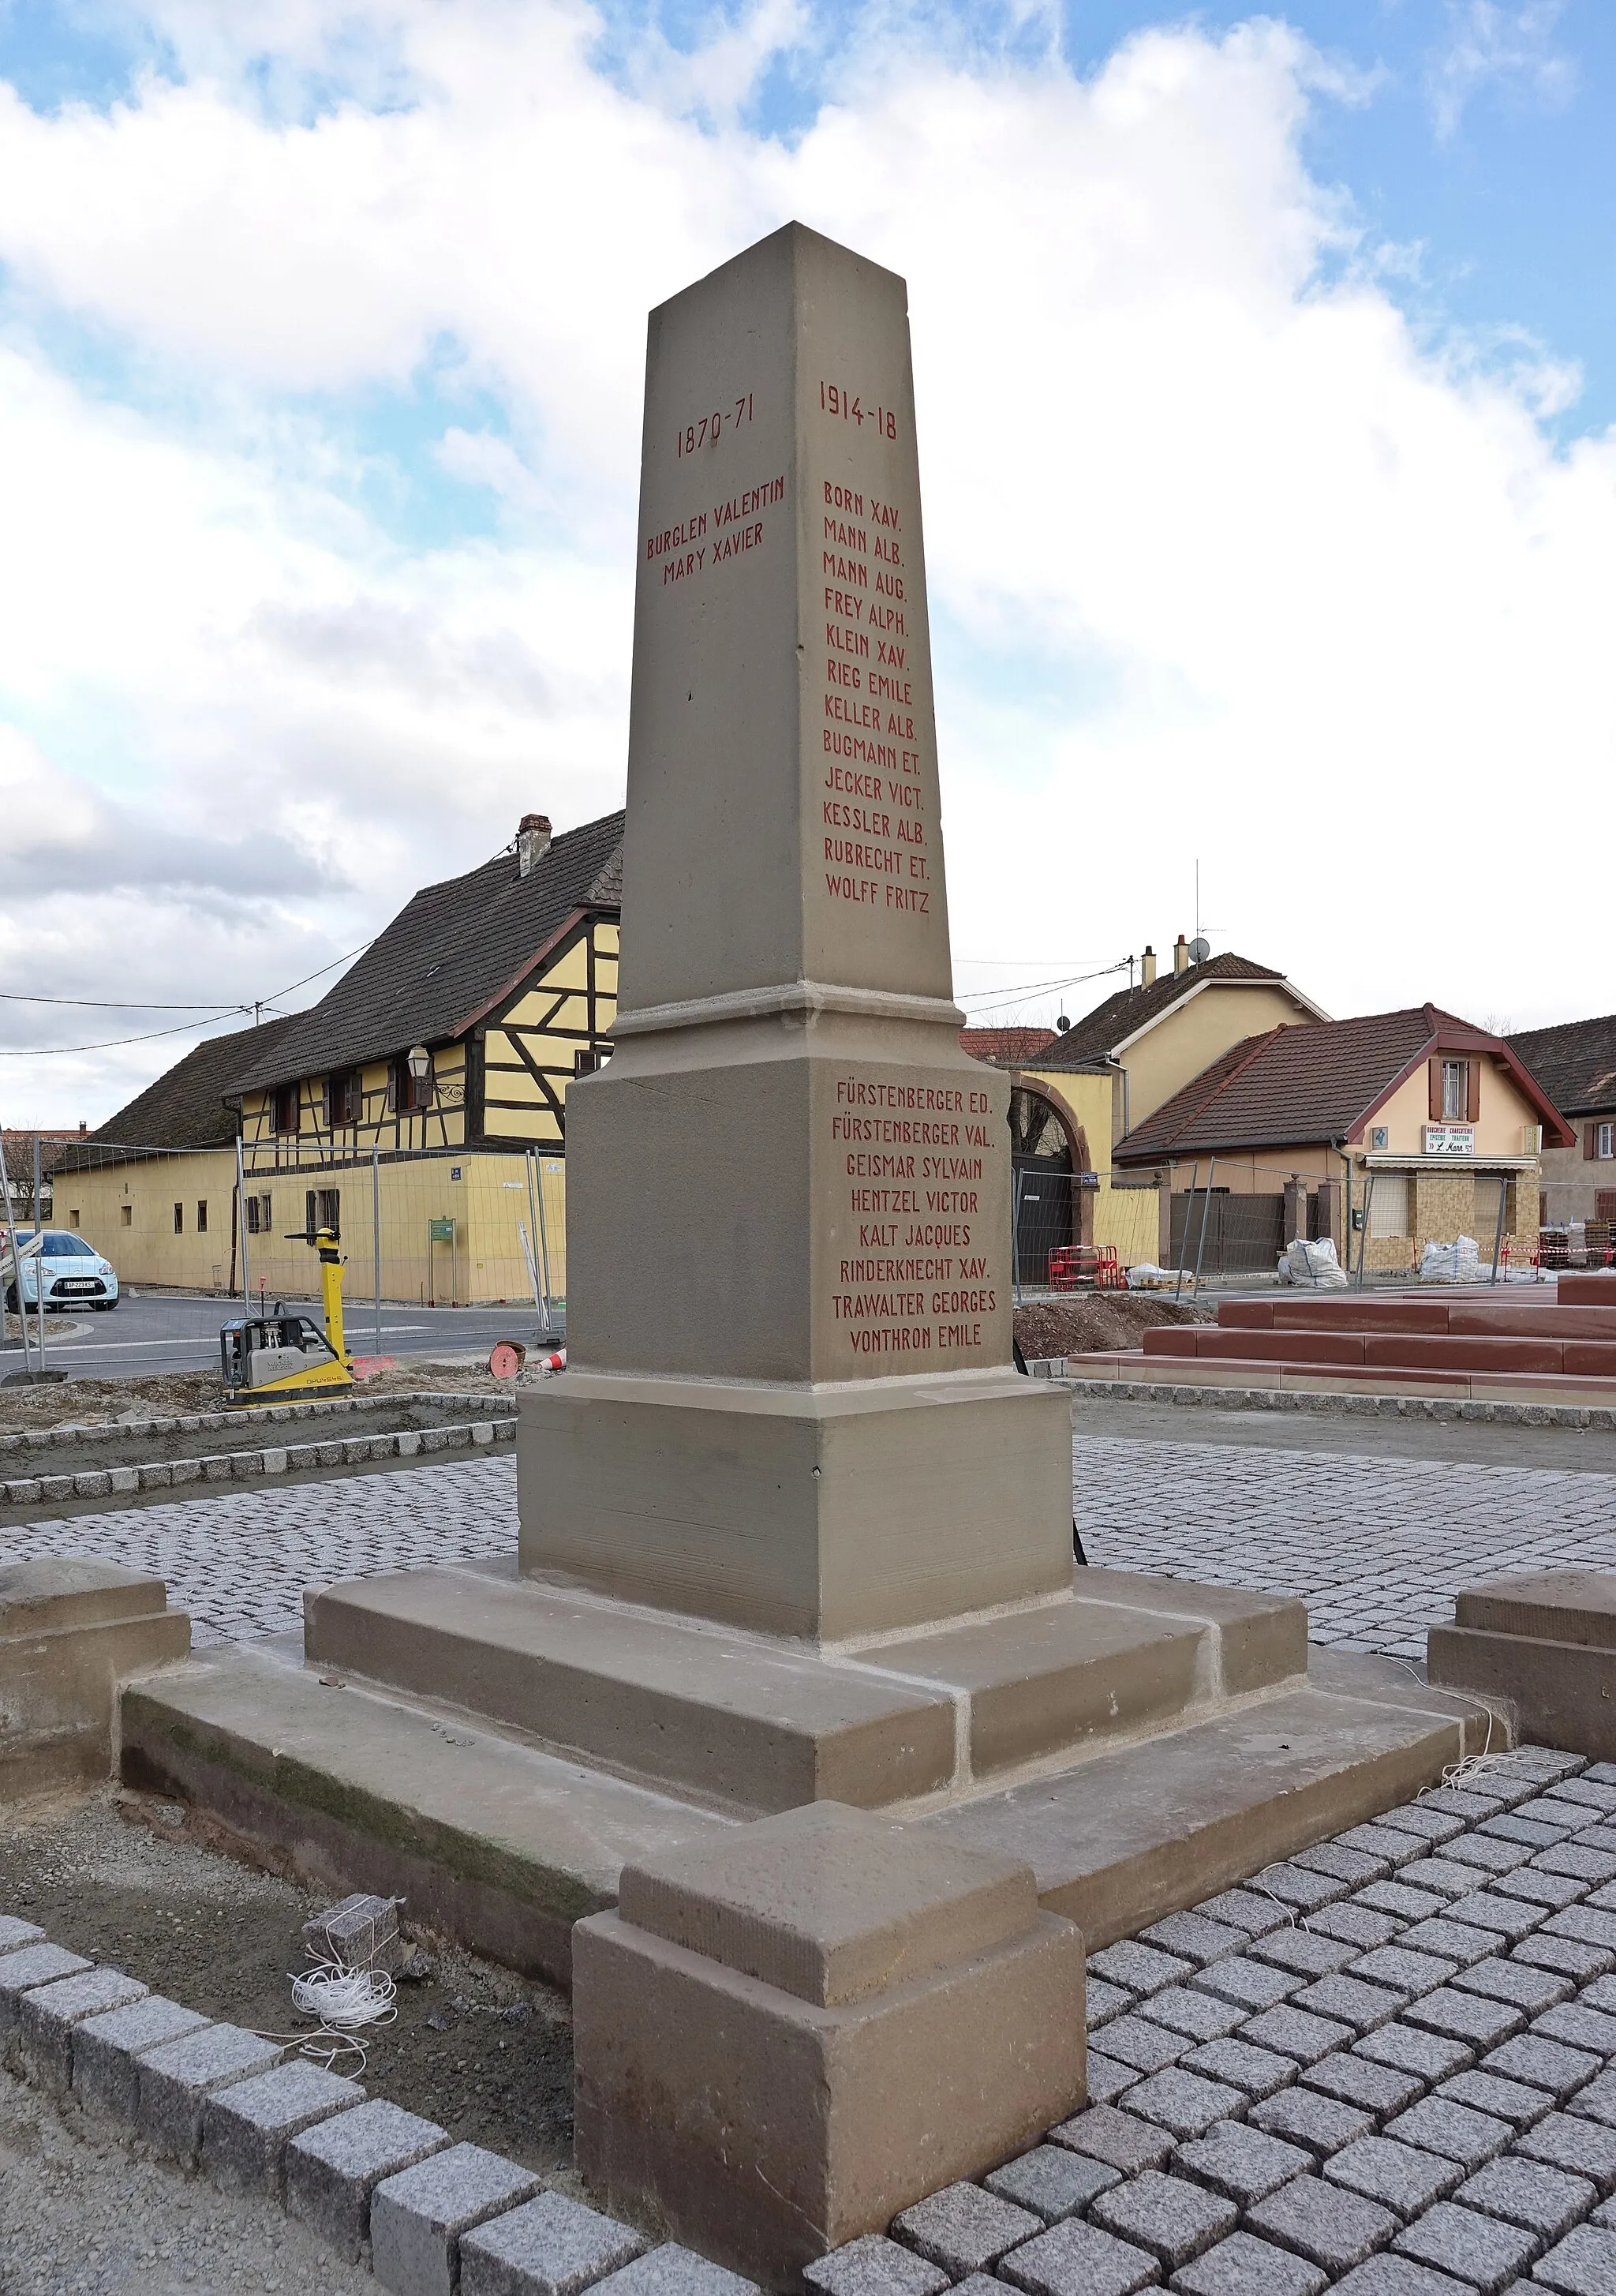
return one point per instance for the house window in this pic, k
(412, 1092)
(1389, 1203)
(1604, 1203)
(73, 1216)
(344, 1099)
(1456, 1091)
(259, 1218)
(126, 1216)
(201, 1215)
(285, 1108)
(322, 1208)
(1604, 1142)
(179, 1219)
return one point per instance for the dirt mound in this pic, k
(1091, 1320)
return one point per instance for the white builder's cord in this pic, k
(345, 2001)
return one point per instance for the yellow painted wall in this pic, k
(1124, 1218)
(1505, 1113)
(1177, 1047)
(485, 1202)
(443, 1125)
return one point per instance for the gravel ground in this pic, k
(80, 2212)
(122, 1879)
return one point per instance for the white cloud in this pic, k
(1223, 562)
(1489, 45)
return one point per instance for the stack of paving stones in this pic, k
(1388, 2066)
(431, 2216)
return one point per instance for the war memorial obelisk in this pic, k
(789, 1403)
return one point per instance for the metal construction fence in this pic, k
(451, 1227)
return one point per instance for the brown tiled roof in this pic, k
(451, 952)
(188, 1106)
(1314, 1082)
(1574, 1062)
(1008, 1048)
(19, 1152)
(1123, 1014)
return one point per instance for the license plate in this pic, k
(79, 1284)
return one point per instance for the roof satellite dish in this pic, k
(1062, 1024)
(1200, 949)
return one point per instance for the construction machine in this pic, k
(286, 1357)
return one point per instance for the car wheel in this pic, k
(10, 1300)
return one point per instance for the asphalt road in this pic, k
(159, 1331)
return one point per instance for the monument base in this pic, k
(820, 1511)
(1544, 1644)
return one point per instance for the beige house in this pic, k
(1386, 1132)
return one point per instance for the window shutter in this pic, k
(1436, 1092)
(1590, 1141)
(1473, 1091)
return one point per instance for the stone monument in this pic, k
(789, 1401)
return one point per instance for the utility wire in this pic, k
(180, 1029)
(991, 997)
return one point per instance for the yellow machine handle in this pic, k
(330, 1290)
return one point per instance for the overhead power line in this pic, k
(257, 1005)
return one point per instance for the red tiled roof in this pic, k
(1007, 1048)
(1316, 1082)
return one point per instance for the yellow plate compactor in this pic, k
(270, 1358)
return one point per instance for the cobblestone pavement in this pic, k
(239, 1563)
(1376, 1548)
(1387, 2065)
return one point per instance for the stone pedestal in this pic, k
(787, 2033)
(71, 1628)
(1547, 1644)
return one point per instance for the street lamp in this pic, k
(418, 1060)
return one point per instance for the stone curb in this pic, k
(214, 2081)
(242, 1466)
(1320, 1402)
(201, 1422)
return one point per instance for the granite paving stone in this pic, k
(871, 2266)
(1530, 1831)
(28, 1966)
(1141, 1968)
(1102, 2001)
(1185, 2104)
(1293, 2032)
(1491, 1854)
(1574, 1857)
(1541, 2064)
(1135, 2040)
(1240, 2065)
(1464, 2017)
(247, 2127)
(1379, 2089)
(670, 2270)
(1391, 1844)
(1502, 2100)
(1400, 2176)
(1597, 2101)
(1079, 2260)
(1435, 2056)
(1252, 1984)
(965, 2228)
(1474, 1805)
(14, 1932)
(1405, 1971)
(1400, 2275)
(1580, 2146)
(1305, 1951)
(1602, 1899)
(1543, 2201)
(1183, 2009)
(1296, 1885)
(1120, 2139)
(45, 2019)
(1240, 2163)
(1108, 2078)
(1439, 1877)
(1341, 1863)
(1194, 1937)
(1329, 2226)
(1458, 2132)
(1052, 2182)
(175, 2077)
(1579, 2027)
(1583, 1790)
(1320, 2125)
(1490, 1909)
(1576, 1959)
(1244, 1910)
(1583, 2264)
(107, 2051)
(1530, 1990)
(1425, 1819)
(1241, 2265)
(1556, 1807)
(418, 2215)
(1349, 2001)
(1600, 1994)
(1397, 1898)
(553, 2246)
(1586, 1923)
(1170, 2217)
(1482, 2251)
(333, 2169)
(1446, 1939)
(1355, 1924)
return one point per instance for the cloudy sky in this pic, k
(1265, 371)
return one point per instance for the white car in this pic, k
(73, 1272)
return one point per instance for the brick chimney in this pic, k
(1148, 966)
(1180, 954)
(531, 842)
